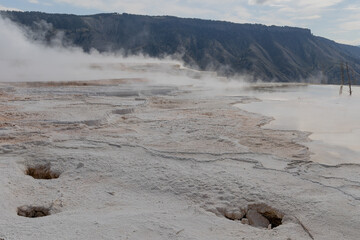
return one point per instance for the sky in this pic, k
(337, 20)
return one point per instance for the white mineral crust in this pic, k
(139, 161)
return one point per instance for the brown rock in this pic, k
(245, 221)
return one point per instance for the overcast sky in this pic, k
(338, 20)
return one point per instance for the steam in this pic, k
(330, 118)
(26, 56)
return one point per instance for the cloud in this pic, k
(253, 2)
(311, 17)
(351, 25)
(34, 1)
(252, 11)
(354, 41)
(314, 4)
(270, 12)
(2, 8)
(352, 7)
(147, 7)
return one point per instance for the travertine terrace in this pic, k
(141, 161)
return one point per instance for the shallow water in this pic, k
(332, 119)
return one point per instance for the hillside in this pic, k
(269, 53)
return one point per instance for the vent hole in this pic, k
(257, 215)
(42, 172)
(33, 211)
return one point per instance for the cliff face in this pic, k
(265, 52)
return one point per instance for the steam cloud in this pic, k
(25, 57)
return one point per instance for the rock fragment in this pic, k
(256, 219)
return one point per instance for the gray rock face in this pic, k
(266, 52)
